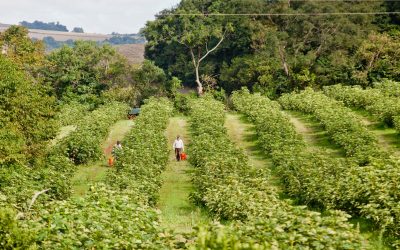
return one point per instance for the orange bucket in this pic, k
(183, 156)
(110, 161)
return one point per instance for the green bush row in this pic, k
(232, 190)
(145, 154)
(388, 87)
(343, 126)
(315, 178)
(384, 106)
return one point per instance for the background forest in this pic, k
(277, 54)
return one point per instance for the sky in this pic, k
(94, 16)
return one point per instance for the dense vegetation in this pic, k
(114, 214)
(382, 102)
(317, 178)
(228, 186)
(304, 201)
(275, 54)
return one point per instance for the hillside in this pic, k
(133, 52)
(62, 36)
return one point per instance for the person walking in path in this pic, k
(178, 147)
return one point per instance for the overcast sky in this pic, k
(94, 16)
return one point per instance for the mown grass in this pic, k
(64, 131)
(178, 213)
(388, 137)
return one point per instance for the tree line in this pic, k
(275, 54)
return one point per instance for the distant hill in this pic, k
(133, 52)
(62, 36)
(39, 25)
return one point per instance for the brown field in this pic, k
(133, 52)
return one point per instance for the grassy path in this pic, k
(314, 134)
(177, 212)
(388, 138)
(86, 175)
(243, 134)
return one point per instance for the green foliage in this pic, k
(342, 125)
(145, 152)
(83, 145)
(19, 48)
(11, 235)
(275, 54)
(378, 102)
(388, 87)
(314, 177)
(82, 72)
(378, 57)
(26, 113)
(151, 80)
(71, 113)
(229, 188)
(104, 219)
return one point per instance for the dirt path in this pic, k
(86, 175)
(177, 212)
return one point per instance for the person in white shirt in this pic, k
(178, 147)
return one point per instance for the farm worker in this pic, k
(117, 147)
(178, 147)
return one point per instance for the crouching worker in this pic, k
(117, 148)
(178, 147)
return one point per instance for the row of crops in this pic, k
(365, 183)
(112, 214)
(382, 102)
(228, 186)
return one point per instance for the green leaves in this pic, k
(228, 187)
(314, 177)
(83, 144)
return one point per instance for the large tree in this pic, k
(191, 30)
(27, 114)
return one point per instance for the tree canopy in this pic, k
(270, 52)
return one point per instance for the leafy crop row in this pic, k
(145, 153)
(232, 190)
(384, 106)
(343, 126)
(388, 87)
(314, 177)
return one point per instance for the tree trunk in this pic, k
(284, 63)
(199, 84)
